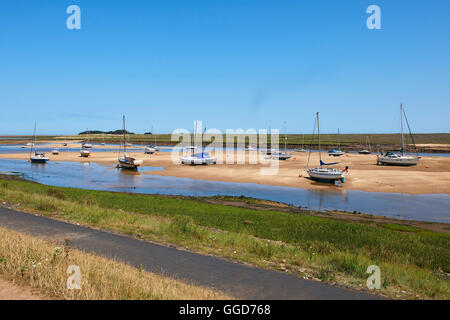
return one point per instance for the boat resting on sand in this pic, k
(202, 158)
(281, 156)
(127, 162)
(336, 152)
(322, 173)
(330, 174)
(85, 153)
(391, 158)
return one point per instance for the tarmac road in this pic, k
(238, 280)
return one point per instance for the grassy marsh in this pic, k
(415, 262)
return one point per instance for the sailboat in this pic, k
(282, 155)
(86, 144)
(36, 157)
(322, 173)
(337, 152)
(127, 162)
(201, 158)
(367, 150)
(103, 140)
(302, 149)
(392, 158)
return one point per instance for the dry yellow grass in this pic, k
(43, 266)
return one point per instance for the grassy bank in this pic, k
(293, 140)
(414, 262)
(42, 265)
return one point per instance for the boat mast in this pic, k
(123, 137)
(34, 139)
(401, 126)
(285, 136)
(318, 134)
(339, 140)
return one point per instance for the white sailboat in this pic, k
(36, 157)
(322, 173)
(337, 152)
(392, 158)
(302, 149)
(126, 162)
(201, 158)
(367, 150)
(86, 144)
(279, 155)
(149, 150)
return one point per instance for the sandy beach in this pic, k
(431, 175)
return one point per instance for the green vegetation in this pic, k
(415, 262)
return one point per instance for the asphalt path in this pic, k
(239, 280)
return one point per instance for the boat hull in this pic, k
(123, 164)
(41, 160)
(336, 154)
(198, 161)
(324, 174)
(403, 161)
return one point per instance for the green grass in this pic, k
(292, 139)
(412, 259)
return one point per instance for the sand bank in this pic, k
(431, 175)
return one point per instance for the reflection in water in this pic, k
(432, 207)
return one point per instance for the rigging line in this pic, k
(312, 140)
(409, 129)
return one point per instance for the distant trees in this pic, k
(106, 132)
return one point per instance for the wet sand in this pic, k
(431, 175)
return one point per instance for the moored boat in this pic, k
(392, 158)
(35, 156)
(127, 162)
(322, 173)
(281, 156)
(85, 153)
(201, 158)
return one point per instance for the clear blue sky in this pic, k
(233, 64)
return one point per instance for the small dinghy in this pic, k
(55, 152)
(149, 150)
(249, 148)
